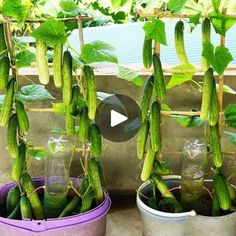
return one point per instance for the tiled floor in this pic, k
(124, 218)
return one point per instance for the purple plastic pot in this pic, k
(91, 223)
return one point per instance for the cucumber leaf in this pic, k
(216, 4)
(34, 92)
(25, 58)
(231, 136)
(183, 120)
(37, 154)
(194, 20)
(155, 29)
(51, 32)
(98, 51)
(57, 130)
(180, 78)
(176, 5)
(68, 5)
(130, 75)
(227, 89)
(118, 3)
(218, 57)
(230, 111)
(195, 122)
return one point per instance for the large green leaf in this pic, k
(176, 5)
(118, 3)
(232, 136)
(155, 29)
(68, 5)
(25, 58)
(15, 9)
(179, 78)
(34, 92)
(218, 57)
(130, 75)
(51, 32)
(216, 4)
(98, 51)
(231, 122)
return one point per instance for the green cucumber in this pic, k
(8, 103)
(67, 77)
(95, 140)
(23, 121)
(142, 138)
(4, 71)
(57, 65)
(87, 201)
(12, 143)
(25, 208)
(155, 126)
(42, 62)
(216, 146)
(69, 122)
(231, 191)
(15, 213)
(159, 169)
(13, 198)
(147, 52)
(159, 80)
(147, 94)
(207, 93)
(3, 46)
(83, 124)
(70, 207)
(214, 107)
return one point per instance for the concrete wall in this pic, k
(121, 166)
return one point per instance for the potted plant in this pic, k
(26, 208)
(171, 205)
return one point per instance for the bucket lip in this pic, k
(146, 209)
(55, 223)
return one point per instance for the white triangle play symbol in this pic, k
(117, 118)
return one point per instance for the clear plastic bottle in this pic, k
(192, 174)
(56, 176)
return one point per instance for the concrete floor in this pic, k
(123, 217)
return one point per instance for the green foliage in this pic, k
(188, 121)
(230, 115)
(25, 58)
(37, 154)
(216, 4)
(118, 3)
(176, 6)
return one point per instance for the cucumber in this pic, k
(171, 202)
(4, 71)
(85, 185)
(159, 169)
(8, 103)
(216, 146)
(69, 122)
(25, 208)
(94, 177)
(159, 80)
(206, 38)
(162, 187)
(42, 62)
(67, 77)
(3, 46)
(15, 213)
(214, 106)
(147, 53)
(222, 192)
(87, 201)
(23, 121)
(231, 191)
(70, 207)
(207, 93)
(91, 91)
(179, 42)
(155, 127)
(95, 140)
(83, 124)
(19, 163)
(13, 198)
(32, 195)
(74, 100)
(215, 210)
(101, 174)
(147, 94)
(142, 138)
(57, 65)
(12, 143)
(148, 164)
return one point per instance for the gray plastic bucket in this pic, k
(158, 223)
(91, 223)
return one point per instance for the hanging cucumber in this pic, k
(214, 106)
(4, 71)
(69, 122)
(57, 65)
(216, 146)
(207, 93)
(25, 208)
(179, 42)
(142, 138)
(18, 166)
(94, 177)
(206, 38)
(87, 195)
(147, 53)
(8, 103)
(23, 121)
(155, 127)
(147, 94)
(95, 140)
(159, 80)
(3, 46)
(67, 77)
(13, 198)
(83, 124)
(222, 192)
(70, 207)
(148, 164)
(91, 91)
(12, 143)
(42, 62)
(33, 197)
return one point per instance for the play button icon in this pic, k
(117, 117)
